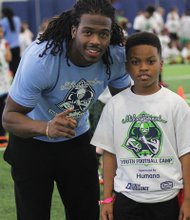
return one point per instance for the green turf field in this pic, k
(178, 75)
(174, 75)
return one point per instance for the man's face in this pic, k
(90, 39)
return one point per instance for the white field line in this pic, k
(184, 77)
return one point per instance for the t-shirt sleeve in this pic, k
(123, 81)
(119, 77)
(104, 134)
(182, 129)
(31, 78)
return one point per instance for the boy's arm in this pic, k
(109, 171)
(185, 210)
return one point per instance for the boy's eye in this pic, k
(151, 61)
(134, 62)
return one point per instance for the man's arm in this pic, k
(15, 120)
(18, 123)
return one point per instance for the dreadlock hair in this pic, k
(7, 12)
(59, 28)
(143, 38)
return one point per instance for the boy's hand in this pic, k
(107, 212)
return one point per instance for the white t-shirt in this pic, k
(141, 23)
(25, 39)
(173, 26)
(184, 27)
(159, 20)
(148, 134)
(4, 69)
(185, 53)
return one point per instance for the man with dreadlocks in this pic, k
(60, 75)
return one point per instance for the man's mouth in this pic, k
(93, 52)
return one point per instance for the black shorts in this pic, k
(128, 209)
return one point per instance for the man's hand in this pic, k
(62, 125)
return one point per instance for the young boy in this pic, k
(144, 132)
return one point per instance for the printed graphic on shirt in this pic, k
(144, 144)
(144, 138)
(80, 97)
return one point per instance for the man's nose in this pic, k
(95, 39)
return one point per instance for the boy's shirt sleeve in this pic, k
(182, 128)
(103, 136)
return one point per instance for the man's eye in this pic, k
(104, 35)
(88, 33)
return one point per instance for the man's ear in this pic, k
(73, 31)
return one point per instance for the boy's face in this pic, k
(144, 65)
(90, 39)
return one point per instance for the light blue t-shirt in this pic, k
(49, 85)
(12, 37)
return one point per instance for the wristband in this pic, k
(47, 129)
(106, 201)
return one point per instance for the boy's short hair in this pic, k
(143, 38)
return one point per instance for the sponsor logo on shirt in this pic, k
(166, 185)
(136, 187)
